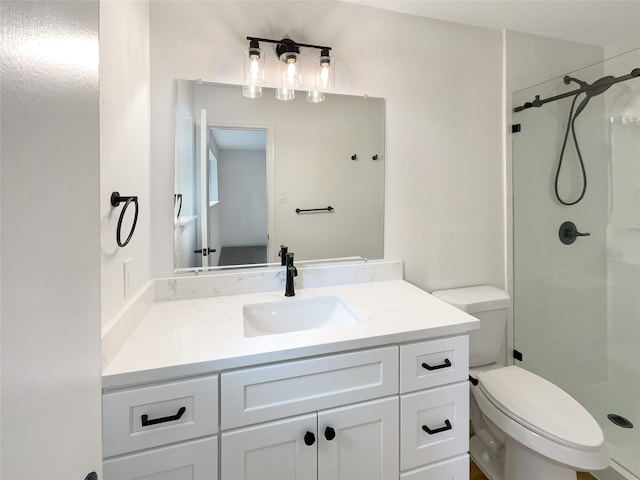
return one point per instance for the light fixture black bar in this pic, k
(290, 42)
(537, 102)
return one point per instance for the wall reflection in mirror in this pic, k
(251, 175)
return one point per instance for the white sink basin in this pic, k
(295, 315)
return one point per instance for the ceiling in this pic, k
(595, 22)
(239, 139)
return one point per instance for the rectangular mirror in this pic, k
(254, 174)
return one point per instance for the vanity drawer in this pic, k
(149, 416)
(434, 362)
(451, 469)
(445, 412)
(194, 460)
(266, 393)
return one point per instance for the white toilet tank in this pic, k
(489, 305)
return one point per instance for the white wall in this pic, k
(187, 232)
(213, 218)
(532, 59)
(442, 83)
(50, 295)
(124, 146)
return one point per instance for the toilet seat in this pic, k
(541, 406)
(519, 403)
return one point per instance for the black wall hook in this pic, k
(116, 200)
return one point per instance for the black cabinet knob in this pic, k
(329, 433)
(309, 438)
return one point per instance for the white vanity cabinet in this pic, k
(396, 411)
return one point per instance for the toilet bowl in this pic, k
(526, 428)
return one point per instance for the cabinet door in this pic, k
(196, 460)
(282, 450)
(359, 441)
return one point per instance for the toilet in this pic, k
(526, 428)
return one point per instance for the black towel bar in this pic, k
(305, 210)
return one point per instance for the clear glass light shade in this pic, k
(315, 97)
(253, 72)
(324, 74)
(252, 91)
(285, 94)
(290, 70)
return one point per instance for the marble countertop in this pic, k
(196, 336)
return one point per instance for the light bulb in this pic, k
(324, 72)
(253, 71)
(290, 70)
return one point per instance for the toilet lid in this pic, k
(541, 406)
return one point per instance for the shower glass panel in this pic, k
(577, 305)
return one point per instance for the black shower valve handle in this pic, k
(283, 254)
(568, 233)
(578, 234)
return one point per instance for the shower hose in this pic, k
(571, 126)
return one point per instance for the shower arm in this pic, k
(538, 102)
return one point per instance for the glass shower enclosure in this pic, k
(577, 302)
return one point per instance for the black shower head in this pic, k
(596, 88)
(600, 86)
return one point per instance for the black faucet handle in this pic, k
(283, 254)
(290, 273)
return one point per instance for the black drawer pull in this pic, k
(447, 426)
(146, 422)
(446, 364)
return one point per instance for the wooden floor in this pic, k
(476, 474)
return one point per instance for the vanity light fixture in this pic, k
(288, 52)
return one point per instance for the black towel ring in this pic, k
(116, 200)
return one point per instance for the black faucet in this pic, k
(291, 272)
(283, 254)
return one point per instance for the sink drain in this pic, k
(619, 420)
